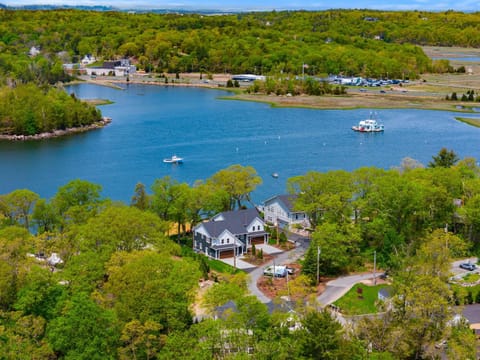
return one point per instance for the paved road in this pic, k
(456, 270)
(280, 259)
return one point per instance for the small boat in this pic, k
(275, 175)
(173, 160)
(369, 125)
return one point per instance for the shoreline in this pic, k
(392, 98)
(58, 133)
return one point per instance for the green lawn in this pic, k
(354, 303)
(471, 278)
(220, 266)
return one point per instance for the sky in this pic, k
(246, 5)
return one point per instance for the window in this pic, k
(223, 240)
(228, 241)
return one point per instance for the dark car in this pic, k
(468, 266)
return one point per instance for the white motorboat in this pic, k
(368, 125)
(173, 160)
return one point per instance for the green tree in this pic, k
(321, 337)
(325, 197)
(238, 182)
(45, 216)
(14, 244)
(141, 341)
(140, 199)
(22, 337)
(17, 206)
(445, 158)
(83, 330)
(137, 280)
(77, 201)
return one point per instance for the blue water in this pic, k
(463, 58)
(154, 122)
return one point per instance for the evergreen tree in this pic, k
(445, 158)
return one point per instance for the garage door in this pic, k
(226, 254)
(258, 240)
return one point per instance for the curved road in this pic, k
(335, 288)
(280, 259)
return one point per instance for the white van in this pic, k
(275, 270)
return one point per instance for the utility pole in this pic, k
(278, 234)
(235, 257)
(374, 267)
(318, 264)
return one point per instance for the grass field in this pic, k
(469, 121)
(356, 303)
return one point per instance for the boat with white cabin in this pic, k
(368, 125)
(173, 160)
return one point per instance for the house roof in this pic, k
(287, 199)
(234, 221)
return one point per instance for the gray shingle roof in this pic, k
(234, 221)
(288, 200)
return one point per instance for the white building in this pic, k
(279, 210)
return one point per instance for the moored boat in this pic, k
(173, 160)
(368, 125)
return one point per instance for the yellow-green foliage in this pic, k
(28, 110)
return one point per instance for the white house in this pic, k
(229, 233)
(88, 59)
(279, 210)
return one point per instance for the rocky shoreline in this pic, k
(57, 133)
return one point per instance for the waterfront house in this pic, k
(229, 233)
(279, 211)
(88, 59)
(113, 68)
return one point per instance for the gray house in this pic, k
(229, 233)
(279, 211)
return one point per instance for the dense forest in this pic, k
(353, 42)
(284, 44)
(124, 289)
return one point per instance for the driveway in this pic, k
(282, 258)
(456, 270)
(337, 288)
(267, 249)
(240, 264)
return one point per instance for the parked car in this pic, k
(383, 275)
(276, 271)
(468, 266)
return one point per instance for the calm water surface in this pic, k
(154, 122)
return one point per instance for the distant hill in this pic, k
(111, 8)
(56, 7)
